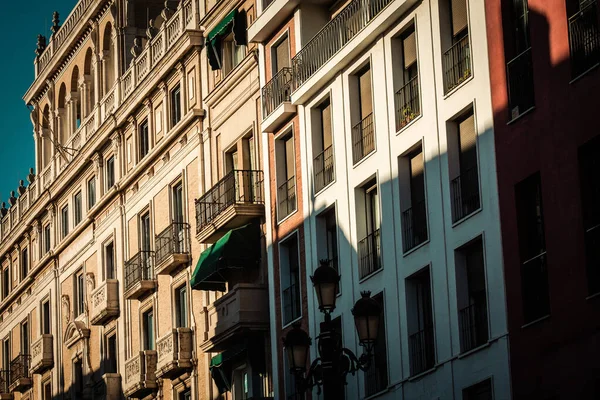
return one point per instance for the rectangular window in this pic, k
(589, 177)
(181, 307)
(411, 172)
(24, 263)
(472, 296)
(77, 208)
(281, 55)
(406, 78)
(110, 172)
(175, 106)
(584, 35)
(177, 201)
(109, 260)
(91, 192)
(479, 391)
(286, 179)
(79, 306)
(148, 329)
(363, 132)
(64, 222)
(5, 282)
(46, 327)
(241, 385)
(6, 358)
(327, 242)
(47, 239)
(532, 249)
(376, 377)
(421, 336)
(233, 54)
(323, 146)
(78, 379)
(144, 137)
(290, 279)
(185, 395)
(457, 58)
(25, 338)
(47, 390)
(110, 363)
(369, 245)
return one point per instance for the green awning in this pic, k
(234, 22)
(222, 26)
(221, 368)
(237, 249)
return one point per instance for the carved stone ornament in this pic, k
(22, 187)
(66, 306)
(137, 48)
(31, 176)
(90, 281)
(76, 330)
(12, 200)
(41, 45)
(3, 210)
(152, 31)
(55, 22)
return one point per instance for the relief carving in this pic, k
(66, 306)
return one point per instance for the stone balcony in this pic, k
(173, 246)
(174, 353)
(111, 386)
(232, 202)
(105, 302)
(244, 308)
(140, 375)
(42, 356)
(20, 377)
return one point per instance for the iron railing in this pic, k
(473, 325)
(291, 303)
(534, 277)
(422, 350)
(369, 254)
(408, 105)
(465, 194)
(237, 187)
(4, 381)
(457, 64)
(375, 379)
(139, 268)
(519, 73)
(286, 197)
(333, 36)
(175, 239)
(584, 39)
(324, 169)
(19, 367)
(414, 225)
(592, 255)
(277, 90)
(363, 138)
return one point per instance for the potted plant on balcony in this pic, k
(407, 115)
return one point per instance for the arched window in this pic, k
(62, 133)
(90, 93)
(108, 64)
(76, 100)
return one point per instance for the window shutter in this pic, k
(468, 153)
(282, 54)
(417, 179)
(459, 16)
(326, 118)
(289, 158)
(366, 102)
(410, 50)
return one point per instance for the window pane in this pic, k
(91, 192)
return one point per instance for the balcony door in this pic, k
(145, 245)
(178, 218)
(25, 338)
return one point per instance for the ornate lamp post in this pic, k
(329, 370)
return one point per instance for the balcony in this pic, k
(422, 350)
(244, 308)
(140, 375)
(465, 194)
(363, 138)
(105, 302)
(232, 202)
(414, 226)
(20, 378)
(174, 352)
(457, 64)
(172, 248)
(369, 254)
(473, 326)
(408, 104)
(519, 73)
(584, 39)
(4, 383)
(286, 198)
(42, 356)
(139, 275)
(324, 168)
(276, 100)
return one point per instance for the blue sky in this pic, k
(22, 23)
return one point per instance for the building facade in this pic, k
(543, 61)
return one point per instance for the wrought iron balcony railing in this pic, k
(422, 350)
(457, 64)
(19, 368)
(519, 73)
(408, 105)
(277, 90)
(4, 381)
(363, 138)
(237, 187)
(534, 281)
(369, 254)
(414, 225)
(465, 194)
(175, 239)
(324, 169)
(473, 323)
(584, 38)
(291, 303)
(139, 268)
(333, 36)
(286, 197)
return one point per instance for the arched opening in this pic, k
(108, 65)
(76, 100)
(62, 117)
(90, 93)
(46, 143)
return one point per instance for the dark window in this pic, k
(186, 395)
(421, 335)
(414, 216)
(584, 35)
(181, 307)
(369, 247)
(144, 139)
(6, 354)
(109, 259)
(465, 186)
(25, 338)
(91, 189)
(78, 379)
(479, 391)
(110, 173)
(327, 245)
(24, 263)
(286, 180)
(175, 105)
(110, 365)
(5, 282)
(46, 327)
(148, 330)
(47, 390)
(376, 377)
(79, 306)
(77, 209)
(290, 279)
(589, 173)
(47, 239)
(532, 249)
(177, 198)
(64, 221)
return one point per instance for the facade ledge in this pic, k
(174, 352)
(234, 216)
(278, 117)
(105, 302)
(171, 263)
(42, 356)
(140, 289)
(270, 19)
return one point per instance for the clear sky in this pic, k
(23, 21)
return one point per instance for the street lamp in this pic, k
(329, 370)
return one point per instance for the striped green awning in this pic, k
(222, 26)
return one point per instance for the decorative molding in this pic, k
(66, 306)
